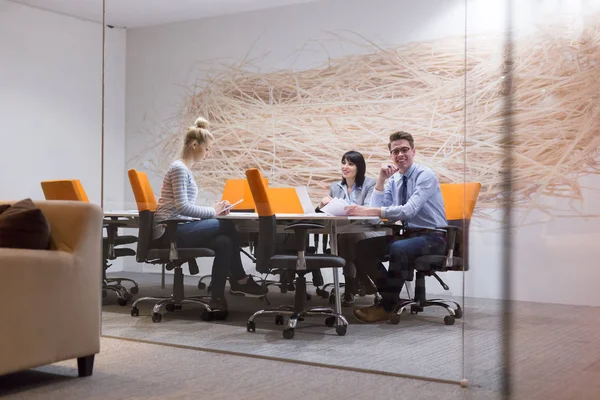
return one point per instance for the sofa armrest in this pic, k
(53, 308)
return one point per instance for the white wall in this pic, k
(50, 103)
(164, 61)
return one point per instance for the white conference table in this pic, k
(248, 222)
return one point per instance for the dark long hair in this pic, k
(361, 167)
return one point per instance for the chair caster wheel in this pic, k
(220, 315)
(341, 330)
(291, 287)
(283, 289)
(395, 319)
(458, 313)
(170, 307)
(449, 320)
(332, 297)
(362, 293)
(104, 294)
(308, 296)
(323, 293)
(250, 326)
(206, 315)
(330, 321)
(156, 317)
(135, 312)
(288, 333)
(121, 301)
(279, 320)
(201, 285)
(134, 290)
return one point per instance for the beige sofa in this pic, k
(51, 299)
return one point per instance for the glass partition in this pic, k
(289, 91)
(555, 300)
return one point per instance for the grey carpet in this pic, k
(552, 343)
(129, 370)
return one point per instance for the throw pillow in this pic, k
(24, 226)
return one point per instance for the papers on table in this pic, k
(336, 207)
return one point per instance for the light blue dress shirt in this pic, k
(425, 205)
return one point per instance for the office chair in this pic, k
(299, 263)
(72, 189)
(459, 202)
(324, 292)
(235, 190)
(173, 257)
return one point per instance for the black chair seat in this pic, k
(121, 240)
(313, 262)
(183, 254)
(437, 263)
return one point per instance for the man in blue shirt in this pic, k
(413, 196)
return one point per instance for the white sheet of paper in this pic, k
(335, 207)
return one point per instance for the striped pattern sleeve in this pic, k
(184, 193)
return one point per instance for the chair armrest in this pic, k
(451, 232)
(301, 232)
(171, 232)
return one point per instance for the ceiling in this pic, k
(139, 13)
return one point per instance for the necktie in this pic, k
(403, 191)
(404, 195)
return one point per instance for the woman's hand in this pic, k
(222, 207)
(324, 201)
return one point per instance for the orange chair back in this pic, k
(142, 190)
(460, 199)
(285, 201)
(237, 189)
(66, 189)
(259, 193)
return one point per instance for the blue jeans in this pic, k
(402, 255)
(220, 236)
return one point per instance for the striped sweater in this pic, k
(178, 198)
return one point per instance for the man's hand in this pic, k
(385, 172)
(363, 211)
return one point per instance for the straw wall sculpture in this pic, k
(295, 125)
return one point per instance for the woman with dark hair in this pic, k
(356, 189)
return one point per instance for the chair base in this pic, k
(202, 285)
(177, 300)
(123, 295)
(134, 289)
(333, 319)
(298, 311)
(171, 304)
(416, 306)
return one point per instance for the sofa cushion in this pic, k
(24, 226)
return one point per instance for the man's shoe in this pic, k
(371, 314)
(249, 288)
(347, 299)
(218, 304)
(365, 283)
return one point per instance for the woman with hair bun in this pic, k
(178, 200)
